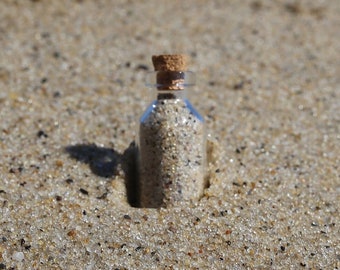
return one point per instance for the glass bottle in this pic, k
(171, 141)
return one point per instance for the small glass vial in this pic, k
(172, 138)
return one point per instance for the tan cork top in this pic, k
(170, 62)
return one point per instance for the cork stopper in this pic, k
(170, 71)
(170, 62)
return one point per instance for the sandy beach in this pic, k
(72, 89)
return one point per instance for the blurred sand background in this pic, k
(71, 91)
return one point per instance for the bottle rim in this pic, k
(187, 79)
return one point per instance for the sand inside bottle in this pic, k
(171, 145)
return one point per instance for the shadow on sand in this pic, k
(104, 162)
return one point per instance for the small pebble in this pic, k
(41, 133)
(18, 256)
(69, 181)
(44, 80)
(84, 191)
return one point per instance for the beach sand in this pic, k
(72, 89)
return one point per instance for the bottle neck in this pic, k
(171, 84)
(171, 94)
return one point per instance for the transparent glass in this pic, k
(171, 145)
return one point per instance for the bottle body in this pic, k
(171, 151)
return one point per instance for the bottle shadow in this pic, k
(105, 162)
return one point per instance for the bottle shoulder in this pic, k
(193, 110)
(167, 109)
